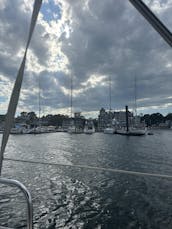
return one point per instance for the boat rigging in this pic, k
(139, 5)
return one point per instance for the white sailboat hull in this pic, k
(132, 132)
(89, 131)
(109, 131)
(74, 130)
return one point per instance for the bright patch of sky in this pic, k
(51, 11)
(3, 99)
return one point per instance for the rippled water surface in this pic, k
(69, 197)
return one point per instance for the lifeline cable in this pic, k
(121, 171)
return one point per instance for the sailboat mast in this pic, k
(39, 96)
(71, 96)
(110, 95)
(126, 113)
(135, 96)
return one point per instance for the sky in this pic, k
(89, 41)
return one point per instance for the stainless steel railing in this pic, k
(27, 196)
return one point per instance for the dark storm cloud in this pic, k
(39, 45)
(108, 38)
(12, 37)
(14, 24)
(111, 38)
(51, 94)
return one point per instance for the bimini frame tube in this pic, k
(27, 196)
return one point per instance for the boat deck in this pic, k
(1, 227)
(130, 133)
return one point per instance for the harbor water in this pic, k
(74, 197)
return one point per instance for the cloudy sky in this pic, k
(90, 41)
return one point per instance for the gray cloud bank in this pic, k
(107, 38)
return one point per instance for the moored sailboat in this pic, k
(109, 129)
(130, 131)
(73, 128)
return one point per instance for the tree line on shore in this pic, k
(57, 119)
(156, 119)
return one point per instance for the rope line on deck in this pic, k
(121, 171)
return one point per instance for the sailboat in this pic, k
(39, 129)
(130, 131)
(73, 129)
(136, 128)
(14, 101)
(133, 130)
(109, 129)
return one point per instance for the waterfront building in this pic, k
(78, 121)
(66, 124)
(120, 117)
(136, 122)
(105, 119)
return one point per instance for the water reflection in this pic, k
(67, 197)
